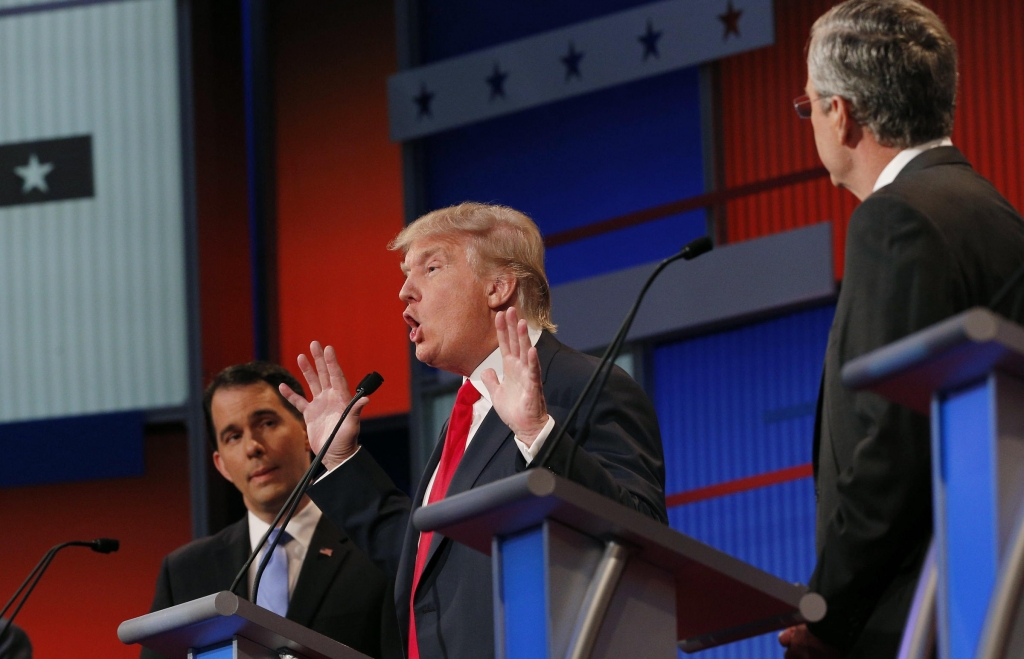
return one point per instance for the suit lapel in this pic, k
(233, 552)
(326, 552)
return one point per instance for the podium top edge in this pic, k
(526, 499)
(977, 326)
(182, 615)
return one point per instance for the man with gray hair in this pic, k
(471, 271)
(931, 238)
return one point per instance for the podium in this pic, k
(226, 626)
(968, 373)
(578, 575)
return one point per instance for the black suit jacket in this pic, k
(622, 459)
(341, 595)
(936, 241)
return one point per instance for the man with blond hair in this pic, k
(471, 271)
(931, 239)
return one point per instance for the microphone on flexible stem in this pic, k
(366, 386)
(101, 545)
(689, 252)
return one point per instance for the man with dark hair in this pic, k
(316, 577)
(931, 239)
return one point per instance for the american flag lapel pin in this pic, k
(327, 551)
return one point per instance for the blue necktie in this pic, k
(273, 594)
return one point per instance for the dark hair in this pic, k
(242, 375)
(894, 61)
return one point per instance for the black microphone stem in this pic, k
(32, 580)
(690, 251)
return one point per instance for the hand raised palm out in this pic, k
(519, 398)
(331, 394)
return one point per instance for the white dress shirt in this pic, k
(897, 164)
(483, 406)
(300, 528)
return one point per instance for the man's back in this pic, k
(936, 241)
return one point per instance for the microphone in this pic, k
(104, 545)
(101, 545)
(690, 251)
(366, 386)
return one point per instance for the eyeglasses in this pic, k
(802, 105)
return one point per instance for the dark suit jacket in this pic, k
(343, 595)
(936, 241)
(622, 459)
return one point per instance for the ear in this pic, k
(501, 290)
(847, 131)
(219, 464)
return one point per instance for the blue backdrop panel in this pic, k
(72, 449)
(454, 27)
(741, 402)
(736, 404)
(584, 160)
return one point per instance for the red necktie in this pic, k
(451, 454)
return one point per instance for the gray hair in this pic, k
(895, 63)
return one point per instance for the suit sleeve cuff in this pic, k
(331, 470)
(531, 452)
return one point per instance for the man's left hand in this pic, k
(519, 397)
(800, 643)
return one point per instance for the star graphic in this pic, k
(423, 101)
(34, 175)
(650, 41)
(572, 62)
(497, 82)
(731, 20)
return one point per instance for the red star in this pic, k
(731, 20)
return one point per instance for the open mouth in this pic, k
(415, 333)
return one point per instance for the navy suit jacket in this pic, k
(936, 241)
(622, 459)
(340, 593)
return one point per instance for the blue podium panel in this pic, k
(224, 651)
(977, 458)
(524, 593)
(967, 511)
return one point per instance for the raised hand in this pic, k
(330, 396)
(519, 397)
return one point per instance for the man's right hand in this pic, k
(330, 396)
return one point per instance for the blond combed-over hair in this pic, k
(499, 240)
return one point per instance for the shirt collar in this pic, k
(493, 360)
(300, 528)
(897, 164)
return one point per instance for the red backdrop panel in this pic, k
(225, 273)
(339, 192)
(763, 138)
(84, 596)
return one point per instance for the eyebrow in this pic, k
(422, 257)
(252, 417)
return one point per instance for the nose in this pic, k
(408, 290)
(253, 447)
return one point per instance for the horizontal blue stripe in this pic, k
(72, 449)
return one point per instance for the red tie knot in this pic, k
(468, 394)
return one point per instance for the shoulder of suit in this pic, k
(201, 547)
(573, 366)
